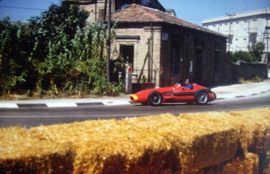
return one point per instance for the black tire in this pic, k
(155, 98)
(202, 98)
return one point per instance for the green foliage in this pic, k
(254, 54)
(13, 56)
(256, 50)
(56, 52)
(241, 55)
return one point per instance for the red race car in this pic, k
(177, 93)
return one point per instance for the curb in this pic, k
(85, 104)
(59, 105)
(242, 96)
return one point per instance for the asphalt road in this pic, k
(30, 117)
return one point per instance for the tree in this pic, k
(257, 50)
(55, 52)
(58, 19)
(243, 55)
(14, 45)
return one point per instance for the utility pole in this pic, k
(267, 37)
(109, 42)
(230, 28)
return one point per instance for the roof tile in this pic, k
(138, 13)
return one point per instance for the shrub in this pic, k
(57, 52)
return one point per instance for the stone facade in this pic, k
(200, 57)
(162, 48)
(181, 51)
(96, 8)
(246, 71)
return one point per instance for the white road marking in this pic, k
(55, 105)
(8, 105)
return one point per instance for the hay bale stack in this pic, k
(147, 144)
(266, 165)
(154, 144)
(22, 153)
(214, 140)
(248, 164)
(254, 130)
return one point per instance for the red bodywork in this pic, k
(176, 93)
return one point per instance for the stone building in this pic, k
(164, 49)
(98, 9)
(161, 48)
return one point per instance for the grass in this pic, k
(253, 80)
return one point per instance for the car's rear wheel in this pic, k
(155, 99)
(202, 98)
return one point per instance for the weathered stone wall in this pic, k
(247, 71)
(146, 42)
(198, 59)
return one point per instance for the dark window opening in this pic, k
(101, 14)
(217, 61)
(198, 66)
(176, 59)
(127, 53)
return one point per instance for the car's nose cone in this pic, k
(134, 98)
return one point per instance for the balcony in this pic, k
(253, 30)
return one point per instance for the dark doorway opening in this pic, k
(176, 59)
(198, 67)
(127, 52)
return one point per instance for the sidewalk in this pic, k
(223, 92)
(241, 90)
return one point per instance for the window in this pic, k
(217, 61)
(253, 38)
(230, 39)
(101, 14)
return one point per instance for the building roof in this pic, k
(139, 14)
(244, 15)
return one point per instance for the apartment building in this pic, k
(243, 30)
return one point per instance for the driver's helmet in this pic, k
(177, 84)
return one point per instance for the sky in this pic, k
(194, 11)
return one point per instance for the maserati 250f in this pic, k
(177, 94)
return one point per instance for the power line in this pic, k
(224, 4)
(26, 8)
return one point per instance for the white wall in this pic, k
(241, 24)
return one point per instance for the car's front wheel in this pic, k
(202, 98)
(155, 99)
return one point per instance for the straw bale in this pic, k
(152, 144)
(19, 151)
(139, 144)
(266, 165)
(215, 140)
(254, 127)
(248, 164)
